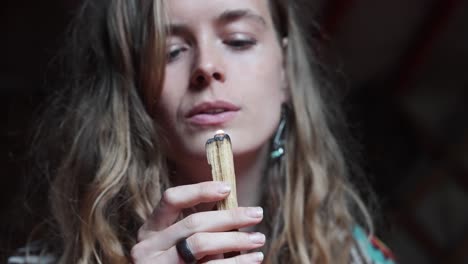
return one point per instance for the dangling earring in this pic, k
(278, 140)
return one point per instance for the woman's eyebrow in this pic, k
(226, 17)
(229, 16)
(178, 29)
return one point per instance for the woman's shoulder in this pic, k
(33, 253)
(369, 249)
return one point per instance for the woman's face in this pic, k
(224, 71)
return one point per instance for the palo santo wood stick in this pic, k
(221, 160)
(219, 155)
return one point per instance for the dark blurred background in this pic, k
(406, 66)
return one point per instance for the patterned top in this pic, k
(366, 250)
(369, 249)
(35, 253)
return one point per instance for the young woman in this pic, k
(150, 81)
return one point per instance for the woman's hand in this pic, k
(208, 234)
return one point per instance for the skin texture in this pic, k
(241, 62)
(207, 239)
(222, 51)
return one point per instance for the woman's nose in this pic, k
(209, 69)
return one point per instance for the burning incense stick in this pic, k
(219, 155)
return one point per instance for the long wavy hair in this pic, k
(104, 153)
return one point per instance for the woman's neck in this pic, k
(248, 179)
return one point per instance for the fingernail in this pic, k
(255, 212)
(258, 257)
(257, 238)
(224, 188)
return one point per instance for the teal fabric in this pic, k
(373, 254)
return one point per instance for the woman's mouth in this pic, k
(212, 113)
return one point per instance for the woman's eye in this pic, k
(174, 53)
(240, 44)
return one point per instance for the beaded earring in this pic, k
(278, 149)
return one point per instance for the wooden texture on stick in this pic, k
(221, 160)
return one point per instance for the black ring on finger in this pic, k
(184, 251)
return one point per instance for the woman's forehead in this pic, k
(193, 11)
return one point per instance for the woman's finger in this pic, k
(210, 221)
(202, 245)
(207, 244)
(254, 257)
(175, 199)
(172, 256)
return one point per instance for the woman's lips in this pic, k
(212, 113)
(204, 119)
